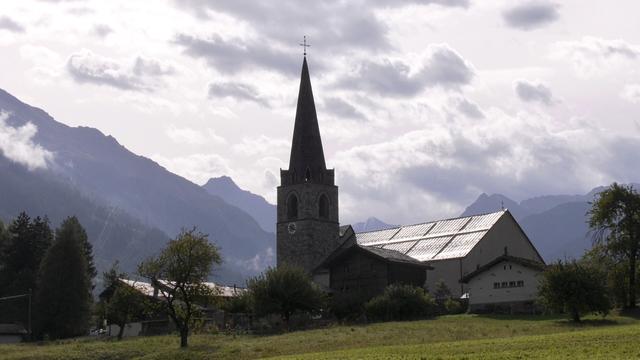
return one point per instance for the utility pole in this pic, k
(30, 328)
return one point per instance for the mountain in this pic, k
(371, 224)
(255, 205)
(490, 203)
(98, 167)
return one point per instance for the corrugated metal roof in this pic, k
(413, 231)
(460, 245)
(426, 249)
(402, 247)
(375, 236)
(443, 239)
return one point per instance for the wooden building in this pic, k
(368, 270)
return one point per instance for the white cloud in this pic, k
(16, 144)
(631, 93)
(192, 136)
(534, 91)
(261, 144)
(592, 55)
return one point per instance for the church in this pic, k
(459, 251)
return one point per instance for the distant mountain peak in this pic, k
(371, 224)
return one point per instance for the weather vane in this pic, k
(304, 45)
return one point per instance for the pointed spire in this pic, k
(307, 155)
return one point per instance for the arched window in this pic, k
(323, 206)
(292, 207)
(307, 176)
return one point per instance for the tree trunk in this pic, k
(575, 315)
(184, 336)
(632, 280)
(121, 331)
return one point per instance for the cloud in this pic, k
(16, 144)
(197, 168)
(191, 136)
(101, 30)
(592, 55)
(342, 108)
(531, 15)
(469, 109)
(441, 167)
(441, 67)
(631, 93)
(6, 23)
(533, 92)
(234, 55)
(237, 91)
(143, 75)
(261, 145)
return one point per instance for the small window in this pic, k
(323, 207)
(520, 283)
(496, 285)
(307, 175)
(512, 284)
(292, 207)
(504, 284)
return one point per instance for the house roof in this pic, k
(386, 255)
(437, 240)
(536, 265)
(148, 289)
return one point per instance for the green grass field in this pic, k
(461, 336)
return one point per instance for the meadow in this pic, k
(446, 337)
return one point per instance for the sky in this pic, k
(422, 105)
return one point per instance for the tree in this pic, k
(180, 272)
(284, 290)
(615, 218)
(63, 299)
(400, 302)
(125, 303)
(615, 270)
(574, 288)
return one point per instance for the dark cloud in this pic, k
(443, 68)
(102, 30)
(470, 109)
(86, 67)
(341, 108)
(534, 92)
(531, 15)
(235, 55)
(9, 24)
(238, 91)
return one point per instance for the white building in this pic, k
(507, 284)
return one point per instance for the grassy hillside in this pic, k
(464, 336)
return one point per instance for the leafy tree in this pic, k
(400, 302)
(615, 270)
(574, 288)
(63, 299)
(284, 290)
(441, 291)
(615, 217)
(180, 272)
(125, 303)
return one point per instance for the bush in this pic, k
(400, 302)
(453, 306)
(574, 288)
(347, 306)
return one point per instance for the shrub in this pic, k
(453, 306)
(347, 306)
(400, 302)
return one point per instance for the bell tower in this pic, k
(308, 227)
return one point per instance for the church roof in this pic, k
(390, 256)
(306, 148)
(436, 240)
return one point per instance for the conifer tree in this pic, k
(63, 298)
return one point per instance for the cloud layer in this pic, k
(16, 144)
(531, 15)
(533, 92)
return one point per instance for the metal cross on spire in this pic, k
(304, 45)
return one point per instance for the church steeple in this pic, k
(306, 163)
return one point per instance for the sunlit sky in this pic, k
(423, 105)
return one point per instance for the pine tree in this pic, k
(63, 299)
